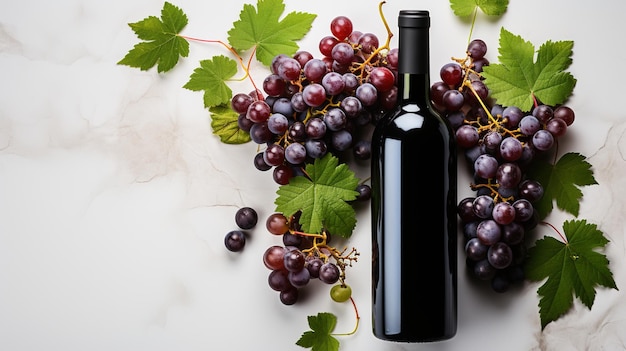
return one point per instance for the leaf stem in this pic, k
(358, 319)
(563, 238)
(245, 67)
(535, 102)
(469, 39)
(311, 235)
(228, 47)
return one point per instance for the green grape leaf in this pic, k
(571, 268)
(224, 125)
(463, 8)
(211, 77)
(321, 196)
(162, 46)
(518, 79)
(319, 338)
(561, 183)
(263, 28)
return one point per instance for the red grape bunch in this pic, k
(301, 258)
(312, 106)
(500, 143)
(304, 257)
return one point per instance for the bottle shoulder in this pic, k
(402, 122)
(412, 115)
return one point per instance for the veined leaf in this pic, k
(319, 338)
(571, 268)
(211, 77)
(463, 8)
(321, 197)
(560, 183)
(162, 46)
(518, 79)
(262, 27)
(224, 125)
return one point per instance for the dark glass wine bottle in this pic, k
(414, 204)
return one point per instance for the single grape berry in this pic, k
(362, 150)
(451, 74)
(327, 44)
(278, 280)
(246, 218)
(259, 163)
(477, 49)
(235, 240)
(273, 257)
(341, 27)
(240, 102)
(294, 260)
(299, 279)
(277, 224)
(382, 78)
(565, 113)
(313, 264)
(368, 42)
(365, 192)
(329, 273)
(341, 292)
(289, 296)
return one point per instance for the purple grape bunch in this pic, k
(310, 106)
(500, 143)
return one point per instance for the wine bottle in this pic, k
(414, 288)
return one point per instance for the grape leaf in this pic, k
(265, 30)
(162, 45)
(321, 197)
(463, 8)
(518, 79)
(319, 338)
(211, 77)
(560, 183)
(224, 124)
(573, 267)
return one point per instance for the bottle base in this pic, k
(414, 340)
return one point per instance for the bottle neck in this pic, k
(413, 65)
(414, 88)
(413, 50)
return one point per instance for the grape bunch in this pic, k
(312, 106)
(500, 143)
(304, 257)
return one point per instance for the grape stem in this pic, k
(342, 258)
(495, 122)
(244, 66)
(467, 83)
(493, 187)
(382, 17)
(361, 66)
(358, 319)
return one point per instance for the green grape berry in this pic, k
(340, 293)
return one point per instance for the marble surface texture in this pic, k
(115, 196)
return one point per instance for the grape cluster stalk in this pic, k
(499, 143)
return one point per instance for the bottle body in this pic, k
(414, 219)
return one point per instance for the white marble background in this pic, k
(115, 196)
